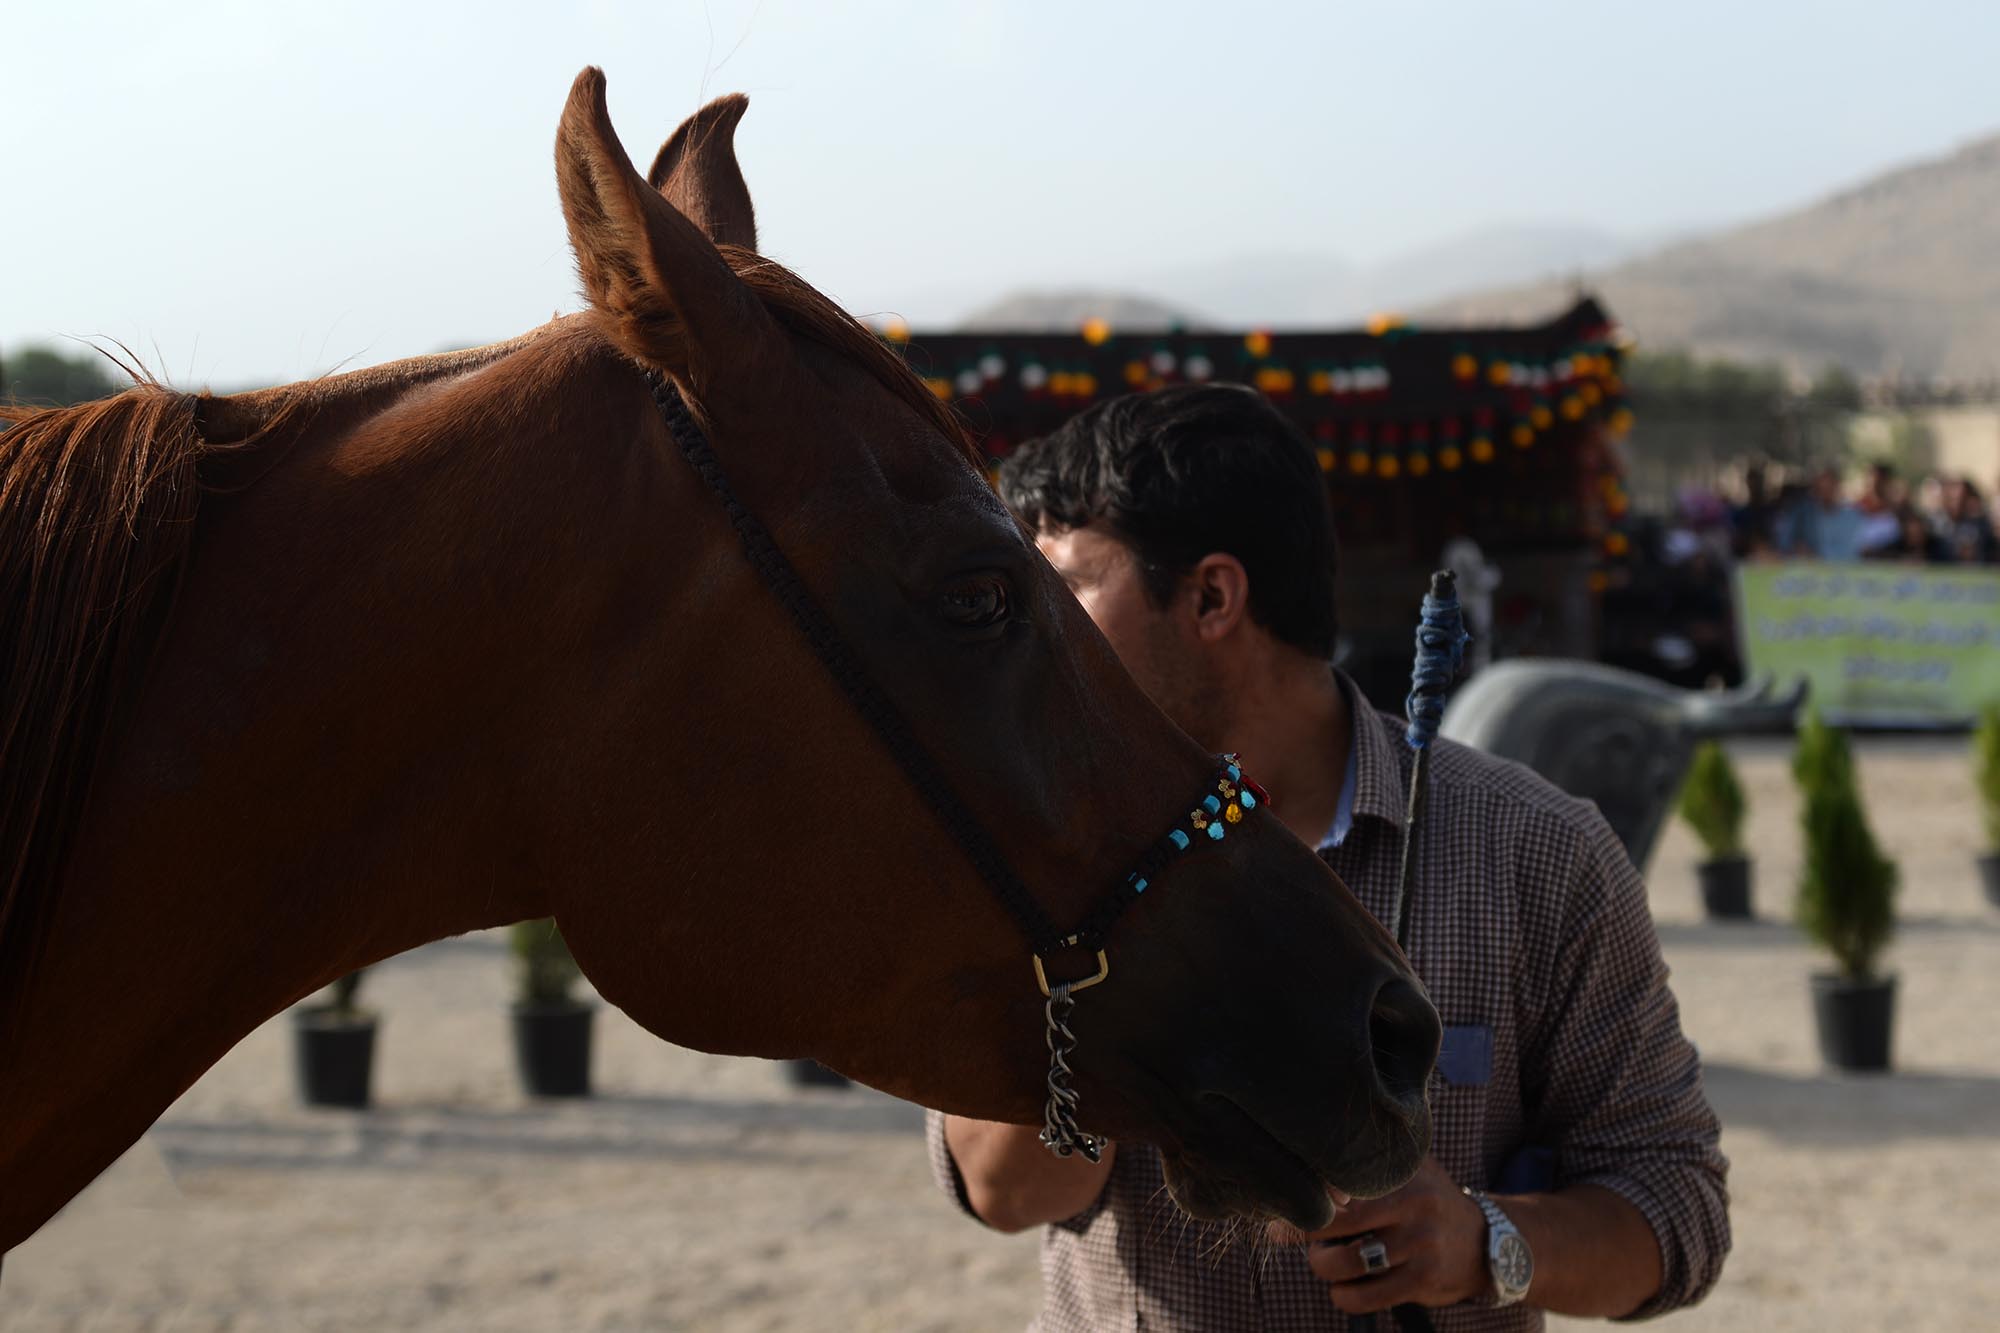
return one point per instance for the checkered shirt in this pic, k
(1528, 920)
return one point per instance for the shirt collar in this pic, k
(1343, 816)
(1378, 752)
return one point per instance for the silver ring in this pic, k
(1374, 1255)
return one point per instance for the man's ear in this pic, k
(696, 172)
(1219, 589)
(666, 296)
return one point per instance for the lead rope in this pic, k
(841, 663)
(1441, 640)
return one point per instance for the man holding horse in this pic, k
(1574, 1165)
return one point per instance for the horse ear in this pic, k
(667, 296)
(697, 173)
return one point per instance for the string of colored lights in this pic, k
(1397, 404)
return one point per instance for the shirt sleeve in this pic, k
(944, 1171)
(944, 1168)
(1611, 1083)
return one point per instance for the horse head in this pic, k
(468, 639)
(1256, 1022)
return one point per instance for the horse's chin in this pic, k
(1246, 1172)
(1206, 1196)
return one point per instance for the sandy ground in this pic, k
(701, 1192)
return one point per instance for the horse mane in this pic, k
(97, 507)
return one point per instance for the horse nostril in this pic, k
(1403, 1029)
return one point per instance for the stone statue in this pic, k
(1611, 736)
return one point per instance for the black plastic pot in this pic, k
(813, 1074)
(1989, 876)
(1855, 1020)
(335, 1055)
(552, 1048)
(1725, 888)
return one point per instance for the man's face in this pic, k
(1161, 652)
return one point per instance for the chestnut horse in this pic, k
(302, 678)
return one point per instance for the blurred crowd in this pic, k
(1819, 515)
(1671, 612)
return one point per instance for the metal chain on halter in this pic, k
(1060, 1133)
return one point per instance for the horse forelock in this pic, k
(800, 308)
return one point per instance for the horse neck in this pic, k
(305, 788)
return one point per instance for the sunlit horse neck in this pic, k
(465, 640)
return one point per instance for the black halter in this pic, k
(1216, 808)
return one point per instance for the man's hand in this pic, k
(1434, 1236)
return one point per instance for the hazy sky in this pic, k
(245, 190)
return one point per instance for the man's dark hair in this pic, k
(1185, 472)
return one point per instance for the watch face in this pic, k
(1513, 1266)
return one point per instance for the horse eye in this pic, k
(975, 603)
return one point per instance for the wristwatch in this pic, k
(1507, 1255)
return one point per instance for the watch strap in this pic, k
(1498, 1224)
(1494, 1217)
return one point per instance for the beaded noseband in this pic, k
(1227, 801)
(1233, 797)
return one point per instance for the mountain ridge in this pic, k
(1896, 274)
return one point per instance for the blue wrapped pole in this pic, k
(1441, 640)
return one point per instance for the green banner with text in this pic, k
(1883, 645)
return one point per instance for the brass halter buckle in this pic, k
(1042, 976)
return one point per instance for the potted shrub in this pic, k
(334, 1045)
(1846, 904)
(551, 1026)
(1712, 804)
(1986, 771)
